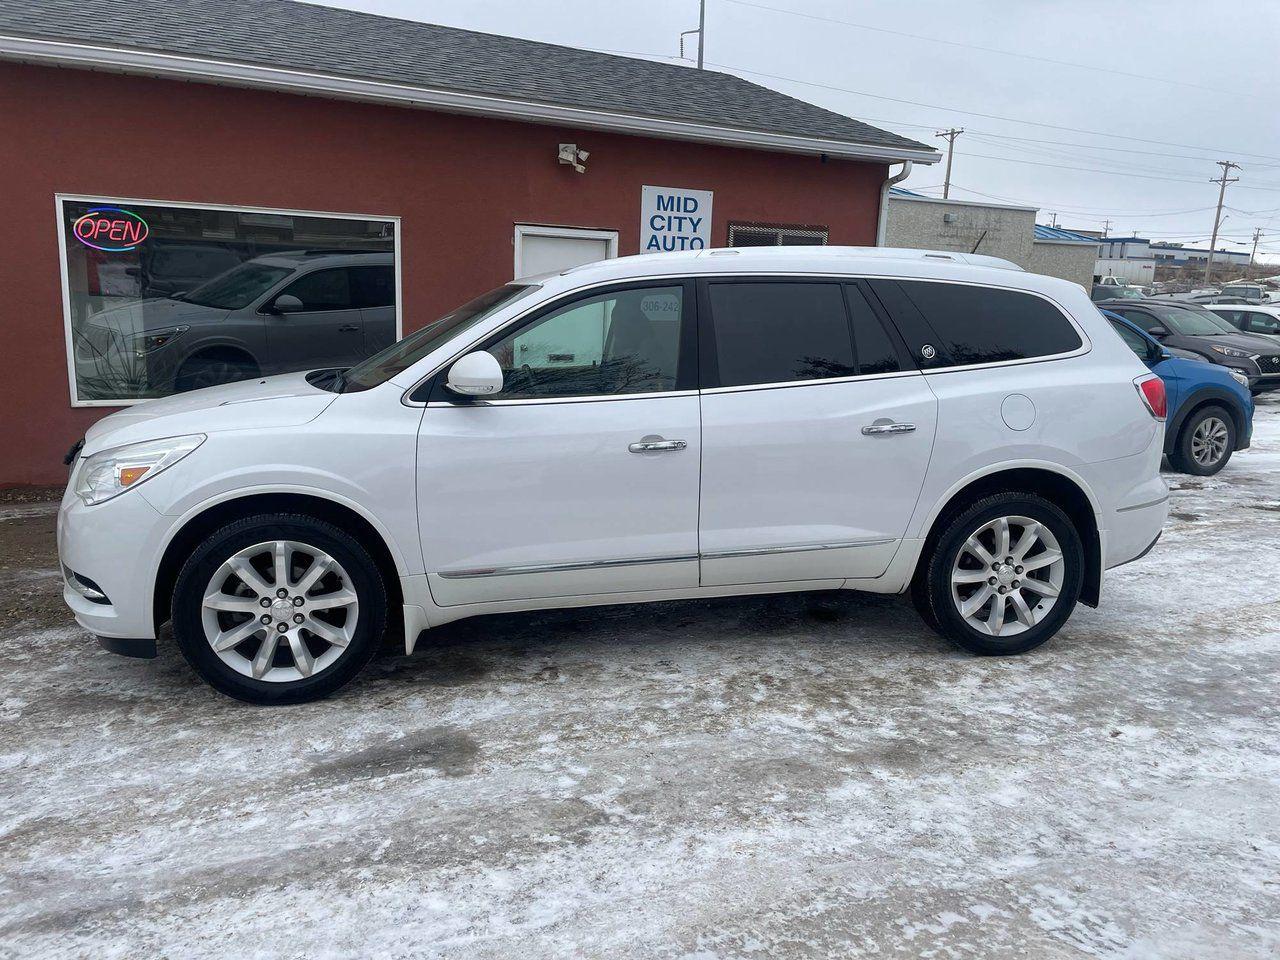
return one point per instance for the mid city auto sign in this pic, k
(672, 218)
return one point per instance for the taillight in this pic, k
(1151, 389)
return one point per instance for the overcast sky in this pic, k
(1189, 81)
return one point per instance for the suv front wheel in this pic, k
(279, 608)
(1003, 576)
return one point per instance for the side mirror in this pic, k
(1158, 331)
(477, 374)
(286, 303)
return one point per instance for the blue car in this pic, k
(1210, 407)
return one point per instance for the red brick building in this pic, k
(244, 132)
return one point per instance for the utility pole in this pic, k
(1222, 181)
(1053, 220)
(1257, 234)
(1106, 225)
(950, 137)
(702, 29)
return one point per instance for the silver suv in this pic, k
(273, 314)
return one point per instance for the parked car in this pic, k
(1248, 292)
(1210, 408)
(1264, 320)
(268, 315)
(1188, 326)
(1113, 291)
(639, 429)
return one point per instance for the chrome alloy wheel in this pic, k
(1007, 576)
(280, 611)
(1209, 442)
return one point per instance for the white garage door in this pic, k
(551, 249)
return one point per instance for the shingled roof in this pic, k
(318, 49)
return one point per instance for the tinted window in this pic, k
(373, 286)
(623, 342)
(322, 290)
(971, 324)
(1134, 340)
(875, 351)
(780, 332)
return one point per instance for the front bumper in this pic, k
(113, 547)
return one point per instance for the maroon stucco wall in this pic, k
(458, 183)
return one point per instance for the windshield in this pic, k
(236, 288)
(399, 357)
(1129, 293)
(1191, 323)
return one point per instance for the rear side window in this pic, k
(968, 324)
(875, 351)
(373, 286)
(779, 332)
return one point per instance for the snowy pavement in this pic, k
(800, 776)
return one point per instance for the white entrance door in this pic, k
(551, 249)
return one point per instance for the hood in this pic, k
(144, 316)
(269, 402)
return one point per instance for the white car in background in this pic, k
(641, 429)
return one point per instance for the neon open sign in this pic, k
(110, 228)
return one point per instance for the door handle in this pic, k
(655, 444)
(890, 428)
(348, 328)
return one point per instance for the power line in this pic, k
(988, 116)
(973, 46)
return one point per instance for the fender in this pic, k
(1199, 396)
(921, 529)
(320, 493)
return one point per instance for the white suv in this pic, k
(648, 428)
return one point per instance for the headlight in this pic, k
(1233, 352)
(112, 472)
(1238, 377)
(144, 343)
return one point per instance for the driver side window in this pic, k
(623, 342)
(322, 290)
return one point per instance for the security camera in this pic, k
(570, 155)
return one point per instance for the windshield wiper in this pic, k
(339, 380)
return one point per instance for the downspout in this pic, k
(884, 201)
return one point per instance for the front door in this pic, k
(581, 476)
(327, 332)
(816, 440)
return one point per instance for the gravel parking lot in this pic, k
(801, 776)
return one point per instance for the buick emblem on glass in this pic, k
(928, 352)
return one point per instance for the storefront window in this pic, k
(167, 298)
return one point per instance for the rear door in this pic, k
(816, 433)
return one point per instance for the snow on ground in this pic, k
(801, 776)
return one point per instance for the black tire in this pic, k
(932, 588)
(200, 568)
(1183, 458)
(213, 370)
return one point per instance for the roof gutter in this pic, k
(124, 60)
(883, 219)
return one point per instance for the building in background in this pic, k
(195, 196)
(995, 229)
(1178, 255)
(1128, 259)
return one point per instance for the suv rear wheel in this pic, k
(1205, 442)
(279, 608)
(1003, 576)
